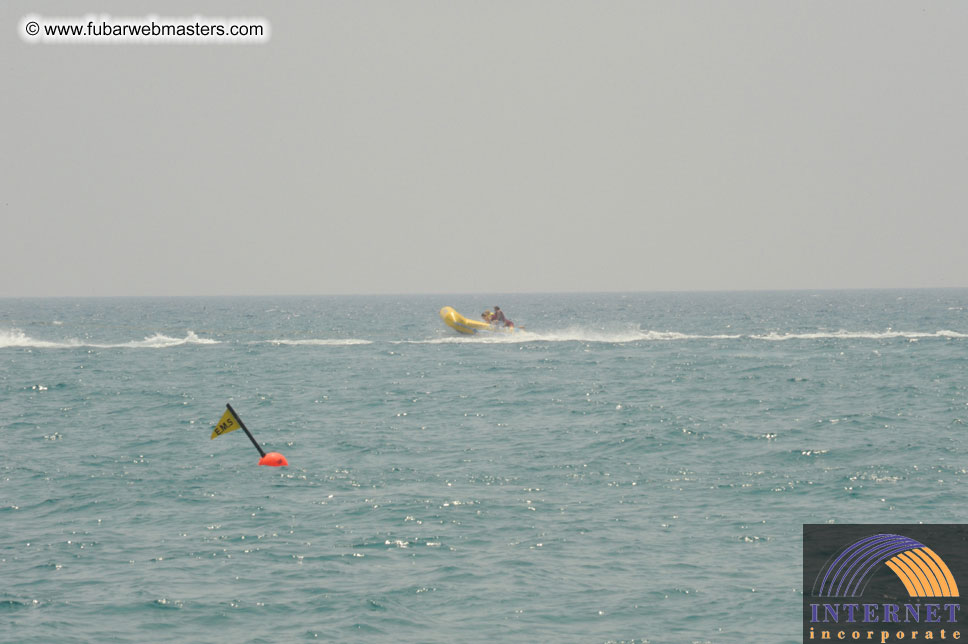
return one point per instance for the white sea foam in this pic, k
(321, 342)
(858, 335)
(160, 341)
(575, 334)
(15, 338)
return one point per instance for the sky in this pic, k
(489, 147)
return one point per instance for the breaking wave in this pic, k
(15, 338)
(575, 334)
(630, 336)
(859, 335)
(320, 342)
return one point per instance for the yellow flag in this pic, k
(228, 423)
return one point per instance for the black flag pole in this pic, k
(247, 432)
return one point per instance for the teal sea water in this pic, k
(630, 468)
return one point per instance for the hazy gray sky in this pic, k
(407, 147)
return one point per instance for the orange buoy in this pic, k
(230, 422)
(274, 459)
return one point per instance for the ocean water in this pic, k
(631, 467)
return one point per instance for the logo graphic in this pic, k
(884, 583)
(919, 568)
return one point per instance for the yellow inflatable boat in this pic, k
(459, 323)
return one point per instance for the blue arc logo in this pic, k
(919, 568)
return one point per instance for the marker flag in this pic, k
(228, 423)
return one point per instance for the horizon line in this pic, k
(493, 293)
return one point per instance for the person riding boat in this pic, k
(487, 315)
(498, 317)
